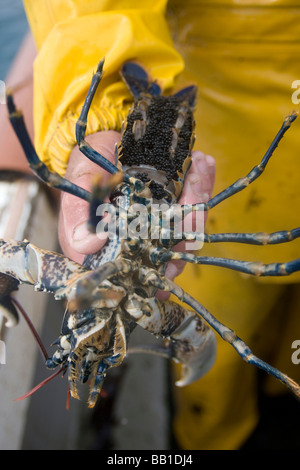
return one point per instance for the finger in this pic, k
(75, 239)
(199, 182)
(198, 187)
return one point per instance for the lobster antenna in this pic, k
(31, 327)
(40, 385)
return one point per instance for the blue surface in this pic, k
(13, 27)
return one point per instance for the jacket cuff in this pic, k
(67, 60)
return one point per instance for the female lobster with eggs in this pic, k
(115, 289)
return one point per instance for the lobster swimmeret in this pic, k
(115, 289)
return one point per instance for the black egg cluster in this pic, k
(154, 148)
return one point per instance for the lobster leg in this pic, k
(84, 147)
(87, 360)
(51, 178)
(83, 342)
(97, 383)
(260, 238)
(242, 183)
(114, 360)
(153, 278)
(192, 342)
(247, 267)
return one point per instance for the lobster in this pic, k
(116, 289)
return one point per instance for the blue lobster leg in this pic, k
(81, 124)
(51, 178)
(260, 238)
(138, 82)
(254, 238)
(247, 267)
(242, 183)
(149, 276)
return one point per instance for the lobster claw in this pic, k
(194, 346)
(190, 340)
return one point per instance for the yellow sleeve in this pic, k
(71, 38)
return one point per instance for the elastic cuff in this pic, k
(102, 116)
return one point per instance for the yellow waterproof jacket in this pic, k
(242, 55)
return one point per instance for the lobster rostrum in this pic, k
(115, 289)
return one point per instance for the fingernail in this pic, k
(80, 232)
(205, 197)
(211, 165)
(202, 165)
(210, 160)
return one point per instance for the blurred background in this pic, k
(135, 410)
(13, 27)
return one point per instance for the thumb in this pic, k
(75, 239)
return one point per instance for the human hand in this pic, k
(75, 240)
